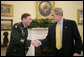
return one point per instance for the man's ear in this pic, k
(23, 19)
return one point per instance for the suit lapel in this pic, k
(64, 31)
(55, 29)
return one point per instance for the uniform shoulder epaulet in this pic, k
(16, 25)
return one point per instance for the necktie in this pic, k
(58, 37)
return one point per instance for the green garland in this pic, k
(40, 23)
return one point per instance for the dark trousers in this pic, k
(58, 52)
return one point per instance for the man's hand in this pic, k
(76, 54)
(36, 43)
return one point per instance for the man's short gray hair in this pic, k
(58, 11)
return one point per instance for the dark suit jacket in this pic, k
(70, 33)
(19, 44)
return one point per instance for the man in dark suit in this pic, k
(19, 43)
(70, 40)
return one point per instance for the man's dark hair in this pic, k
(25, 15)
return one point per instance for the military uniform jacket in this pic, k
(19, 44)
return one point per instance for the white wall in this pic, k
(70, 8)
(20, 7)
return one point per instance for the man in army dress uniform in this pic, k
(19, 43)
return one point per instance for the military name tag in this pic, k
(23, 33)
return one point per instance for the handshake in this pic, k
(36, 43)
